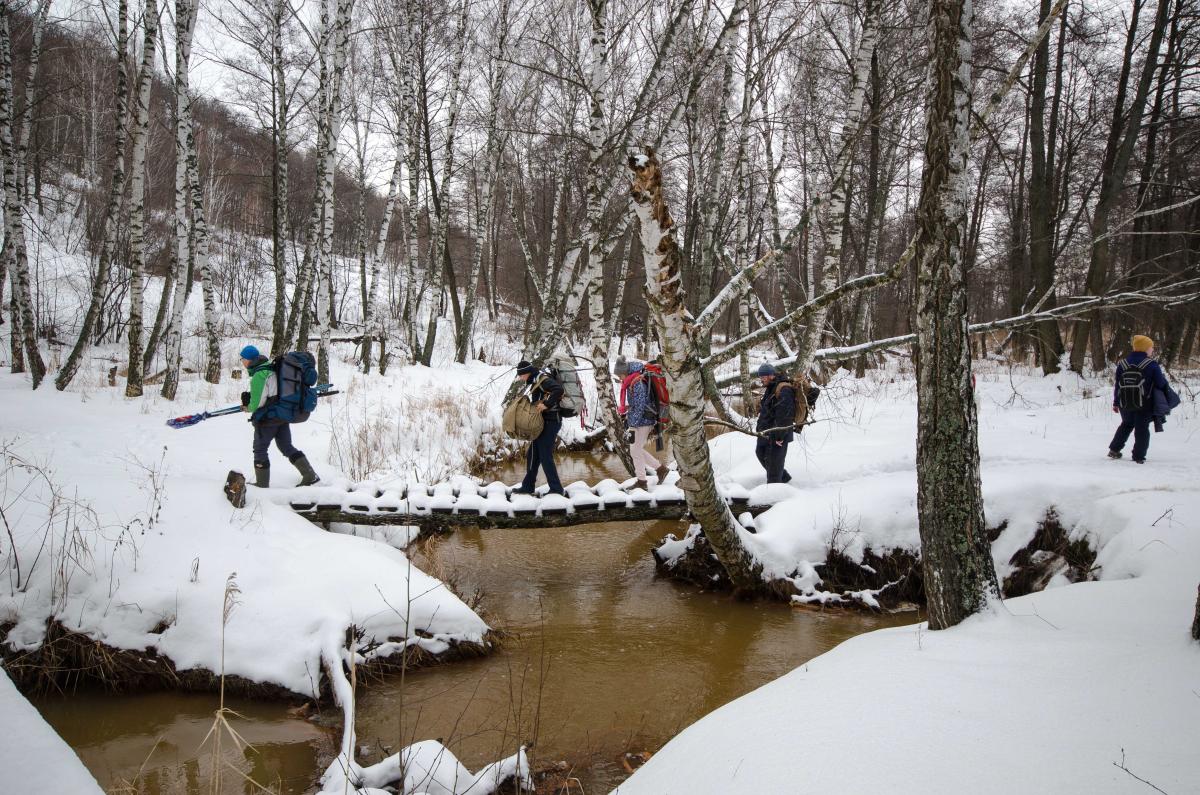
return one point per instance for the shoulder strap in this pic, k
(1143, 363)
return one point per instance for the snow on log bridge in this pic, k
(463, 503)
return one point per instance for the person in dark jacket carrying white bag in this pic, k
(545, 394)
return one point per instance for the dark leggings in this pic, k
(278, 432)
(1137, 423)
(772, 457)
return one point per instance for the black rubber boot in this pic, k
(307, 475)
(262, 476)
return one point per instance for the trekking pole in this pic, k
(191, 419)
(188, 420)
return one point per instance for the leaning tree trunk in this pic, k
(681, 362)
(112, 211)
(185, 25)
(137, 203)
(960, 577)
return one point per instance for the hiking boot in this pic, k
(262, 476)
(1139, 460)
(1114, 453)
(662, 473)
(641, 484)
(307, 475)
(522, 490)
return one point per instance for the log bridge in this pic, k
(463, 503)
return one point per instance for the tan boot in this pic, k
(662, 473)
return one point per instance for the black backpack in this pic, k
(1131, 385)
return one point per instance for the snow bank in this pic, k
(32, 757)
(1042, 444)
(122, 533)
(1074, 689)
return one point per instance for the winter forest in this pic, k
(823, 314)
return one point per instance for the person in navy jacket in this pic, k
(1155, 392)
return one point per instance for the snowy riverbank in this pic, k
(1051, 692)
(122, 533)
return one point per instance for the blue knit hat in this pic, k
(766, 369)
(249, 353)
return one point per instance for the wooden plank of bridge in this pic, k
(491, 508)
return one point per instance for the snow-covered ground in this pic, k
(32, 757)
(137, 541)
(1053, 692)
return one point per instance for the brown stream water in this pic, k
(601, 658)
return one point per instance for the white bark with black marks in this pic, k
(681, 362)
(185, 26)
(112, 210)
(960, 578)
(137, 201)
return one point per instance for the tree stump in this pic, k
(1196, 619)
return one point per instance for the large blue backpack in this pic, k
(296, 375)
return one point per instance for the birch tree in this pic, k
(24, 326)
(137, 201)
(338, 39)
(492, 153)
(112, 210)
(959, 576)
(185, 25)
(680, 357)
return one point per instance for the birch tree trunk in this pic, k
(960, 578)
(681, 362)
(279, 176)
(185, 25)
(212, 366)
(339, 38)
(113, 208)
(439, 192)
(484, 213)
(137, 202)
(834, 210)
(23, 318)
(371, 326)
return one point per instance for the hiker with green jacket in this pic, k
(264, 388)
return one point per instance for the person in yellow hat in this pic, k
(1136, 397)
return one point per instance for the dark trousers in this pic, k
(541, 454)
(1137, 423)
(772, 457)
(278, 432)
